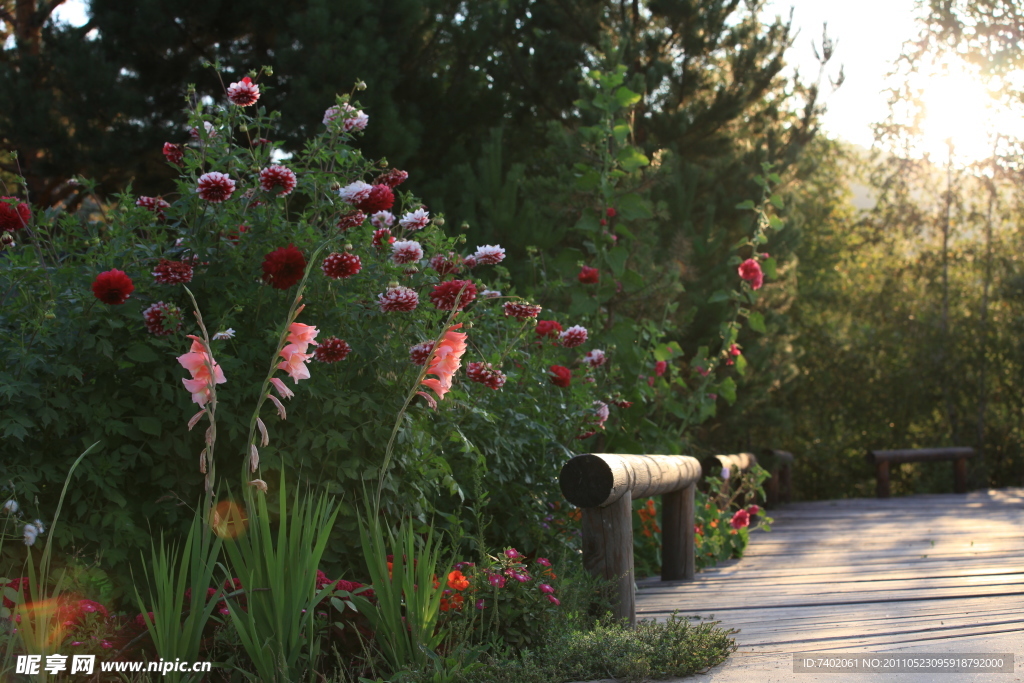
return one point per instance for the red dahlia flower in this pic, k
(406, 251)
(154, 204)
(332, 350)
(595, 358)
(172, 272)
(162, 319)
(343, 265)
(489, 254)
(215, 187)
(392, 178)
(548, 328)
(486, 374)
(750, 270)
(13, 216)
(521, 311)
(400, 299)
(420, 353)
(380, 198)
(445, 294)
(278, 178)
(382, 236)
(446, 265)
(560, 376)
(244, 93)
(589, 276)
(283, 267)
(112, 287)
(352, 219)
(174, 153)
(573, 337)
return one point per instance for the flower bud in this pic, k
(7, 239)
(392, 284)
(244, 127)
(360, 84)
(464, 226)
(438, 221)
(348, 246)
(269, 70)
(49, 315)
(462, 239)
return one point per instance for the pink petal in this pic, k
(430, 399)
(195, 418)
(280, 406)
(284, 391)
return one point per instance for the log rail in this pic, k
(882, 459)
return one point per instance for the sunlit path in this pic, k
(934, 573)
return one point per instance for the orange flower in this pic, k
(446, 361)
(457, 581)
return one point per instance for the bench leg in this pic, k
(960, 475)
(882, 477)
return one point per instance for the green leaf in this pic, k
(633, 207)
(720, 295)
(776, 223)
(748, 204)
(621, 133)
(626, 97)
(141, 353)
(149, 425)
(741, 365)
(776, 201)
(631, 159)
(616, 259)
(769, 265)
(756, 322)
(582, 304)
(727, 390)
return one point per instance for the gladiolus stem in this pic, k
(211, 406)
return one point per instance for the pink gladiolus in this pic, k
(302, 334)
(445, 363)
(294, 362)
(282, 390)
(198, 361)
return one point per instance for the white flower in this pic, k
(40, 527)
(595, 358)
(11, 506)
(30, 534)
(416, 220)
(406, 251)
(489, 254)
(382, 219)
(490, 293)
(354, 193)
(225, 334)
(725, 474)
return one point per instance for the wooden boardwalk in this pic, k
(930, 573)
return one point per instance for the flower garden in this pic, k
(297, 425)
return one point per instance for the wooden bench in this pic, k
(882, 459)
(604, 486)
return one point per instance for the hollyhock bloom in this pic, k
(548, 328)
(489, 254)
(198, 361)
(162, 319)
(332, 350)
(224, 334)
(611, 212)
(753, 510)
(589, 276)
(486, 374)
(660, 367)
(457, 581)
(446, 361)
(381, 236)
(392, 178)
(419, 353)
(172, 272)
(284, 267)
(174, 153)
(244, 93)
(520, 310)
(398, 299)
(352, 219)
(740, 519)
(573, 337)
(595, 358)
(215, 187)
(750, 270)
(416, 220)
(341, 265)
(560, 376)
(13, 216)
(445, 294)
(382, 219)
(553, 600)
(154, 204)
(112, 287)
(356, 192)
(278, 178)
(406, 251)
(545, 588)
(378, 198)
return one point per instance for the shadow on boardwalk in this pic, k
(925, 574)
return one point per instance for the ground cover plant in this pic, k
(99, 312)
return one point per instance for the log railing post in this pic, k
(882, 478)
(958, 455)
(604, 485)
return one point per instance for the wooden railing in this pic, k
(882, 459)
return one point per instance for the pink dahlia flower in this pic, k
(215, 187)
(244, 93)
(354, 193)
(341, 265)
(279, 179)
(489, 254)
(415, 220)
(398, 299)
(573, 337)
(406, 251)
(382, 219)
